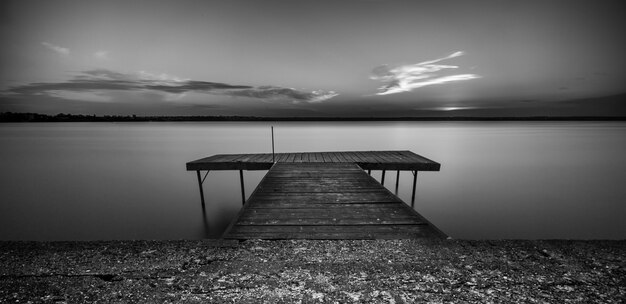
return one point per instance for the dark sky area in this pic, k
(314, 58)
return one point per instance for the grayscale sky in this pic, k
(314, 58)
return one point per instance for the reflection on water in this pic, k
(88, 181)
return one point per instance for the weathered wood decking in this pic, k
(323, 195)
(367, 160)
(325, 201)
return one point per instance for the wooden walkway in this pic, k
(367, 160)
(323, 195)
(325, 200)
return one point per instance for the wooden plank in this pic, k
(331, 232)
(349, 156)
(370, 157)
(340, 158)
(313, 169)
(326, 186)
(306, 157)
(244, 158)
(329, 204)
(416, 158)
(356, 196)
(345, 197)
(318, 157)
(336, 181)
(388, 212)
(357, 158)
(292, 157)
(402, 158)
(392, 157)
(304, 172)
(378, 158)
(218, 158)
(261, 158)
(229, 166)
(322, 156)
(332, 158)
(337, 157)
(325, 220)
(297, 158)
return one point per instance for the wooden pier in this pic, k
(325, 195)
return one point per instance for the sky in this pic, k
(314, 58)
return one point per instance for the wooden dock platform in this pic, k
(367, 160)
(326, 201)
(323, 195)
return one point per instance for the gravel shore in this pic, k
(307, 271)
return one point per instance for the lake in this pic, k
(104, 181)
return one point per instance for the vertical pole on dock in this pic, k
(273, 145)
(369, 172)
(397, 180)
(413, 193)
(201, 190)
(243, 192)
(382, 180)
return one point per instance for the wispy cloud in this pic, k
(296, 96)
(57, 49)
(405, 78)
(448, 108)
(99, 80)
(101, 55)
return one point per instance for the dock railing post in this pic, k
(243, 193)
(413, 192)
(382, 180)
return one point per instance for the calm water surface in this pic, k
(93, 181)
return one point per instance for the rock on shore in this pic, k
(306, 271)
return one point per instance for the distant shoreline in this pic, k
(35, 117)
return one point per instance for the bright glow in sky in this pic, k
(313, 58)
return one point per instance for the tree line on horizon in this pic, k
(64, 117)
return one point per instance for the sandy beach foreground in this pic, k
(422, 271)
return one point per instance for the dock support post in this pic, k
(382, 180)
(369, 172)
(413, 192)
(200, 182)
(397, 180)
(243, 192)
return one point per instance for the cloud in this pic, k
(171, 87)
(81, 96)
(405, 78)
(450, 108)
(57, 49)
(270, 92)
(101, 55)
